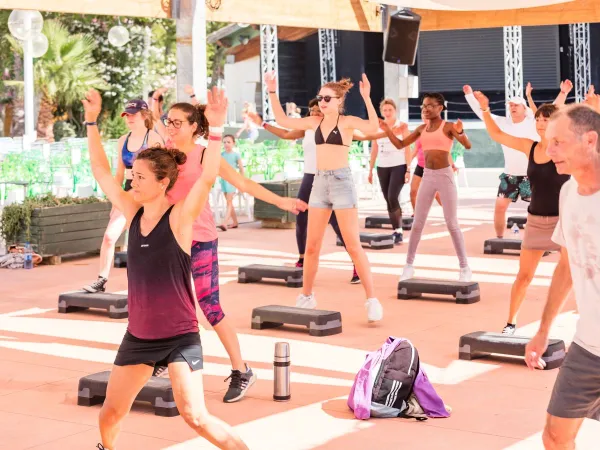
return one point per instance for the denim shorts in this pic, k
(333, 189)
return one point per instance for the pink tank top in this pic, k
(420, 154)
(436, 140)
(203, 228)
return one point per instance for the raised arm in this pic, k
(520, 144)
(159, 127)
(457, 131)
(195, 201)
(401, 143)
(92, 105)
(592, 99)
(474, 104)
(530, 101)
(120, 172)
(370, 125)
(189, 90)
(565, 87)
(281, 133)
(304, 123)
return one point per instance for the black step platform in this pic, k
(115, 304)
(319, 322)
(380, 221)
(464, 292)
(120, 259)
(497, 246)
(520, 221)
(256, 272)
(158, 391)
(481, 344)
(376, 241)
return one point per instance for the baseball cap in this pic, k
(517, 101)
(134, 106)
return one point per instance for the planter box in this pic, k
(271, 215)
(65, 230)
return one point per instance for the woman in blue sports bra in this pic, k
(333, 186)
(141, 136)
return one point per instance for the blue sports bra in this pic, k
(129, 157)
(334, 138)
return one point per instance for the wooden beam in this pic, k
(560, 14)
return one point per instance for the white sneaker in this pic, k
(408, 272)
(465, 274)
(306, 301)
(374, 310)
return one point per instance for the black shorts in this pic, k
(418, 171)
(160, 352)
(513, 187)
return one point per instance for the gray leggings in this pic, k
(442, 181)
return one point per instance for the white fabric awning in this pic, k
(469, 5)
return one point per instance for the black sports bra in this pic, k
(335, 135)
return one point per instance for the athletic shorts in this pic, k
(418, 171)
(161, 352)
(576, 392)
(333, 189)
(513, 187)
(538, 233)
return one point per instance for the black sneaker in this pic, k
(509, 329)
(397, 238)
(355, 279)
(239, 384)
(97, 286)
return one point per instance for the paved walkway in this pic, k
(498, 404)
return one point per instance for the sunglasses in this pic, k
(327, 98)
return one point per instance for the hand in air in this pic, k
(592, 99)
(384, 126)
(216, 107)
(458, 126)
(467, 89)
(271, 81)
(255, 118)
(534, 351)
(566, 86)
(92, 105)
(528, 89)
(484, 102)
(400, 129)
(365, 87)
(189, 90)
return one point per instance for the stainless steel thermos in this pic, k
(281, 372)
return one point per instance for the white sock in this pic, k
(398, 230)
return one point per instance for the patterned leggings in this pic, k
(205, 271)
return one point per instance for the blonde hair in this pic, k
(341, 88)
(148, 118)
(387, 101)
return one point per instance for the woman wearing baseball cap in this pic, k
(141, 136)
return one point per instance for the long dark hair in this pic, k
(195, 114)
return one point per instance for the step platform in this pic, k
(319, 322)
(120, 259)
(380, 221)
(520, 221)
(481, 344)
(497, 246)
(157, 391)
(464, 292)
(254, 273)
(376, 241)
(114, 304)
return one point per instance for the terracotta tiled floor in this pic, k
(497, 404)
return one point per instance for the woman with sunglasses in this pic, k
(310, 167)
(333, 187)
(183, 126)
(437, 138)
(542, 213)
(141, 136)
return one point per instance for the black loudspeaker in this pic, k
(402, 38)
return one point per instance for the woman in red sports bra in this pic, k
(333, 187)
(437, 138)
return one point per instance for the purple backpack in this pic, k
(391, 383)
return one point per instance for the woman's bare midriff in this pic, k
(436, 159)
(331, 157)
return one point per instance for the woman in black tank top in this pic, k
(542, 215)
(162, 324)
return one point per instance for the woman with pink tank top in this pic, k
(184, 124)
(437, 137)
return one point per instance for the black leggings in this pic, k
(391, 180)
(302, 218)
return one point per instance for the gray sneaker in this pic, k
(239, 385)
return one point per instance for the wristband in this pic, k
(216, 129)
(272, 92)
(264, 124)
(485, 110)
(212, 137)
(87, 124)
(192, 96)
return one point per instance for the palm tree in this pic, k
(64, 74)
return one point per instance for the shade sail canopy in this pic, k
(470, 5)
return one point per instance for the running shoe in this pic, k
(509, 329)
(398, 238)
(408, 272)
(355, 278)
(306, 301)
(97, 286)
(239, 384)
(300, 263)
(465, 274)
(374, 310)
